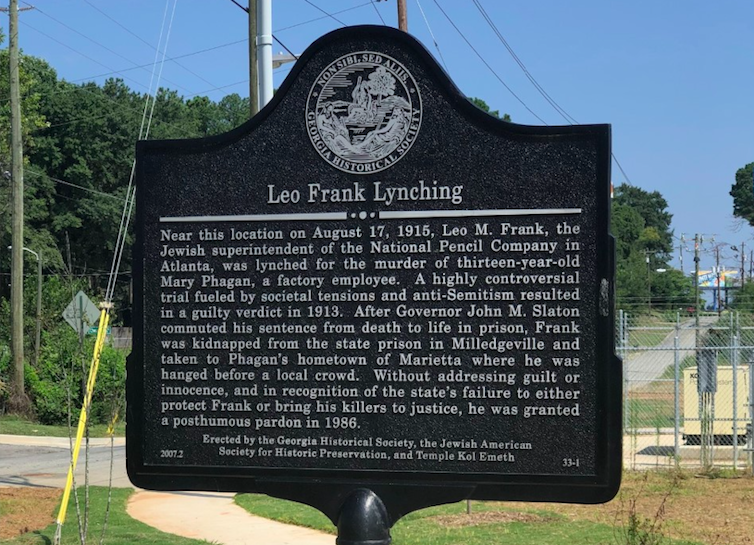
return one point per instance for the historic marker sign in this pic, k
(375, 283)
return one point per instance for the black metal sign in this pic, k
(374, 284)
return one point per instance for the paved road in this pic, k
(644, 366)
(44, 462)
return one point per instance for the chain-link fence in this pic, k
(688, 391)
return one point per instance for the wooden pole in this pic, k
(743, 264)
(18, 402)
(402, 16)
(718, 277)
(697, 243)
(253, 74)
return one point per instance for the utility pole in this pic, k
(743, 264)
(402, 16)
(264, 51)
(253, 76)
(697, 243)
(649, 281)
(717, 273)
(680, 250)
(19, 401)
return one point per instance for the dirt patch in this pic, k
(24, 510)
(715, 511)
(489, 517)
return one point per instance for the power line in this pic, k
(146, 42)
(82, 54)
(568, 118)
(621, 168)
(131, 193)
(520, 63)
(326, 16)
(437, 46)
(374, 5)
(291, 53)
(487, 64)
(119, 72)
(99, 44)
(63, 182)
(199, 52)
(330, 15)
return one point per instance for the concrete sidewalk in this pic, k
(214, 517)
(55, 442)
(43, 462)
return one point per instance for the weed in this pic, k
(633, 528)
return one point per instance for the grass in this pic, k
(121, 529)
(639, 337)
(648, 337)
(490, 522)
(697, 504)
(652, 413)
(13, 425)
(685, 363)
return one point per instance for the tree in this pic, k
(742, 192)
(230, 112)
(482, 105)
(627, 227)
(31, 72)
(652, 207)
(381, 83)
(641, 227)
(89, 142)
(743, 298)
(671, 289)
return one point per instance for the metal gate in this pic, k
(688, 390)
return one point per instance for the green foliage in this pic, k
(80, 134)
(627, 227)
(638, 529)
(672, 289)
(743, 298)
(631, 288)
(652, 207)
(5, 362)
(641, 227)
(57, 381)
(60, 374)
(450, 525)
(742, 192)
(15, 425)
(32, 72)
(481, 104)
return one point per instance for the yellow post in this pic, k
(104, 319)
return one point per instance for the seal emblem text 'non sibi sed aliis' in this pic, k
(363, 112)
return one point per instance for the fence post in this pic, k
(676, 397)
(624, 341)
(750, 431)
(735, 402)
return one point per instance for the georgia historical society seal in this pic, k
(363, 112)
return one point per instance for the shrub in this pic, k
(59, 379)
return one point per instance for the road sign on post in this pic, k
(81, 313)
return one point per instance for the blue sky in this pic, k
(675, 79)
